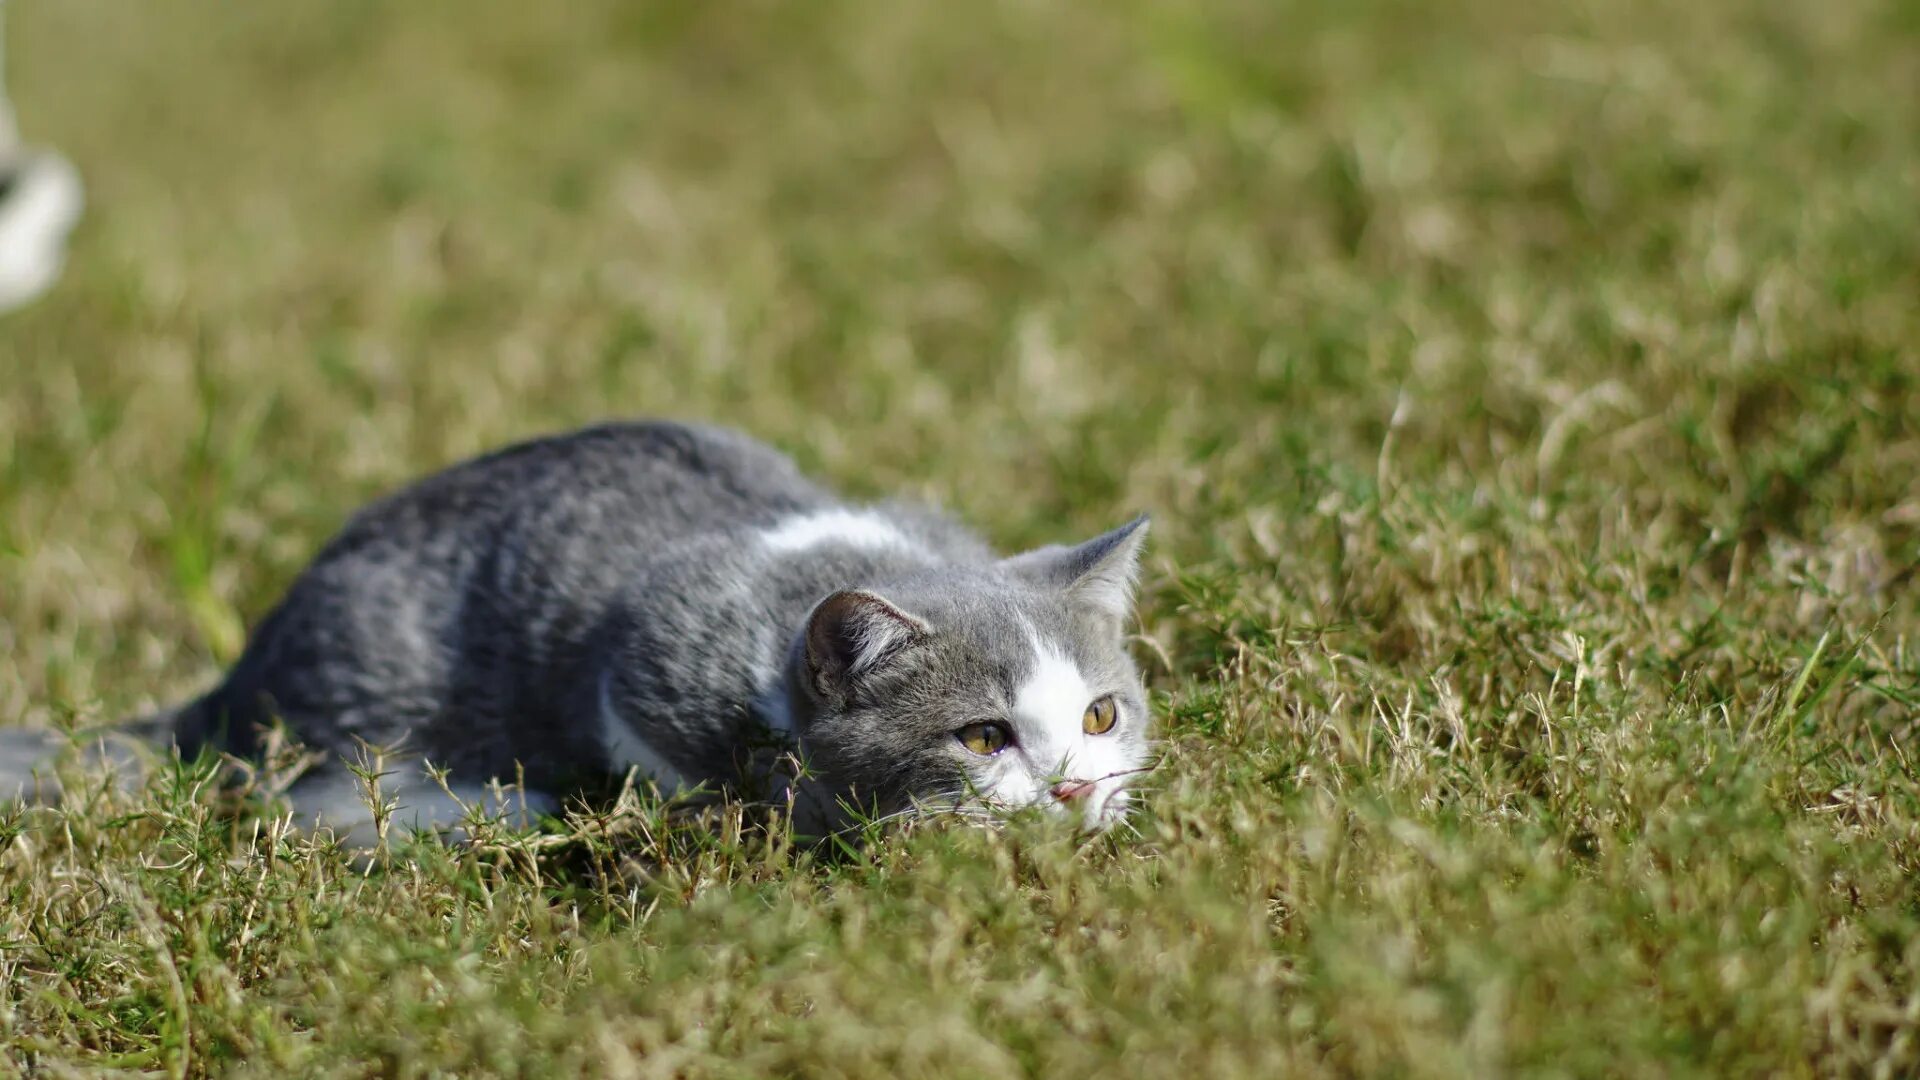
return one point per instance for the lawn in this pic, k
(1527, 396)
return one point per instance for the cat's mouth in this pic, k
(1094, 804)
(1097, 804)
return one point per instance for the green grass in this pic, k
(1527, 396)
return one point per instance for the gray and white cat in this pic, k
(672, 599)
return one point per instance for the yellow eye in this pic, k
(985, 739)
(1099, 717)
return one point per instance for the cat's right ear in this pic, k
(851, 633)
(1098, 575)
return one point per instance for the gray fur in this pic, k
(488, 618)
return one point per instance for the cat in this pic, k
(668, 600)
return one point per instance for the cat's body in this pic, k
(666, 598)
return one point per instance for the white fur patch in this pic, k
(1051, 745)
(625, 749)
(769, 674)
(855, 528)
(1052, 701)
(776, 712)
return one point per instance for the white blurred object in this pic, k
(40, 200)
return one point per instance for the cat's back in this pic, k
(540, 535)
(652, 480)
(492, 566)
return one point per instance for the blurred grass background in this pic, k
(1526, 395)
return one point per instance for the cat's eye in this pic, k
(986, 738)
(1099, 717)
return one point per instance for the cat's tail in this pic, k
(28, 755)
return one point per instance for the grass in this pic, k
(1528, 397)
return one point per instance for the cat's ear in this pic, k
(1098, 574)
(853, 632)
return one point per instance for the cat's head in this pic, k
(994, 687)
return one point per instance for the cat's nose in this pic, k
(1069, 790)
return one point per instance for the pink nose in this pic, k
(1069, 790)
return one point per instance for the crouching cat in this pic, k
(671, 598)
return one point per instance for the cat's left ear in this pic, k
(853, 632)
(1098, 574)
